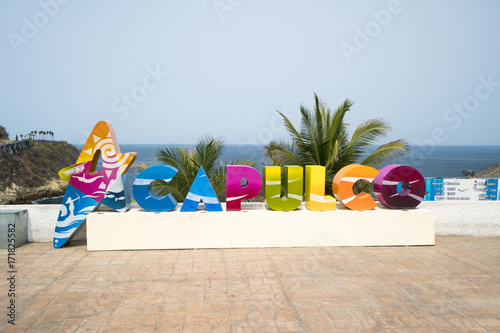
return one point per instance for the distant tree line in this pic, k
(38, 135)
(32, 135)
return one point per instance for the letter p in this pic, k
(235, 192)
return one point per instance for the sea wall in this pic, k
(42, 222)
(451, 218)
(474, 218)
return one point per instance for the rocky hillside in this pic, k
(491, 172)
(31, 173)
(3, 134)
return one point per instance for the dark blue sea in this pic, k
(437, 161)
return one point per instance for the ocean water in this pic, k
(449, 161)
(146, 153)
(437, 161)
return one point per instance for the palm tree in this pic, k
(323, 139)
(206, 154)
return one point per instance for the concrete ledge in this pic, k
(256, 226)
(451, 218)
(42, 222)
(14, 222)
(480, 218)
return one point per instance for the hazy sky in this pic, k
(171, 71)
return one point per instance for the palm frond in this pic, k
(282, 152)
(207, 152)
(296, 137)
(309, 136)
(161, 188)
(369, 132)
(176, 157)
(241, 161)
(387, 153)
(181, 159)
(324, 140)
(337, 122)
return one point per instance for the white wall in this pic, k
(451, 218)
(42, 222)
(478, 218)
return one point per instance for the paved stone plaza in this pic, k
(451, 287)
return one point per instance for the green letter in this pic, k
(293, 190)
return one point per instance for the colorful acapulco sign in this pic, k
(87, 188)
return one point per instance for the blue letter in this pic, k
(145, 197)
(201, 189)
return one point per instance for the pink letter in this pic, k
(412, 189)
(235, 192)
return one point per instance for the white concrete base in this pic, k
(256, 226)
(473, 218)
(42, 222)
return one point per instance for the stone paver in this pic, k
(451, 287)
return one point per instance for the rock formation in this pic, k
(31, 173)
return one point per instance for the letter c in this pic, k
(147, 199)
(344, 181)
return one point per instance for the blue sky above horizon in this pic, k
(169, 72)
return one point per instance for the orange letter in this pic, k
(345, 179)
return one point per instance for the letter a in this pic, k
(201, 189)
(16, 41)
(87, 188)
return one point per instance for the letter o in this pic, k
(370, 32)
(44, 19)
(139, 93)
(386, 183)
(471, 103)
